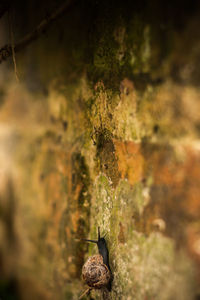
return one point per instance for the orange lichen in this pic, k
(130, 160)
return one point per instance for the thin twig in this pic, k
(6, 51)
(13, 45)
(87, 292)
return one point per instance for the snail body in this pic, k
(96, 271)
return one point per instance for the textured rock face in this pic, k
(112, 140)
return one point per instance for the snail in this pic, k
(96, 271)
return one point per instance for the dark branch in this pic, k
(6, 51)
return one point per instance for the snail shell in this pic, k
(95, 273)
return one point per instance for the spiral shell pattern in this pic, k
(95, 273)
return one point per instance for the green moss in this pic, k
(120, 46)
(144, 267)
(80, 177)
(78, 207)
(102, 137)
(141, 265)
(106, 155)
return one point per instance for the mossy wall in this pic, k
(102, 130)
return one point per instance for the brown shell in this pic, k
(95, 273)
